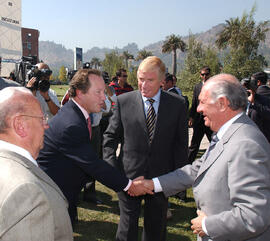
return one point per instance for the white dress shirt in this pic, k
(19, 150)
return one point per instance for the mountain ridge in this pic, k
(57, 55)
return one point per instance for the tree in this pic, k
(62, 74)
(171, 44)
(95, 62)
(127, 56)
(142, 54)
(241, 39)
(112, 63)
(197, 57)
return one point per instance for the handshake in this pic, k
(141, 186)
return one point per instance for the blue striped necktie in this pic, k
(151, 119)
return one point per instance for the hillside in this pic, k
(57, 55)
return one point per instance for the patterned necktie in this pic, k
(89, 127)
(151, 119)
(214, 140)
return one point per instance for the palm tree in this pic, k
(242, 33)
(142, 54)
(171, 44)
(127, 56)
(95, 62)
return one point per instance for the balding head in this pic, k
(221, 98)
(21, 119)
(227, 85)
(42, 66)
(14, 100)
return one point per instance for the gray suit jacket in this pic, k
(32, 207)
(232, 185)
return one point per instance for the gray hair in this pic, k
(233, 91)
(12, 102)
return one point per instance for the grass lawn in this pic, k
(100, 222)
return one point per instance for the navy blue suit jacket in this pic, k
(69, 159)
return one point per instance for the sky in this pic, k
(115, 23)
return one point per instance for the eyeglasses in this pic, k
(44, 118)
(125, 76)
(205, 74)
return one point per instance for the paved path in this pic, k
(204, 144)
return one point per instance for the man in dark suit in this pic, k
(153, 137)
(262, 89)
(196, 119)
(68, 157)
(259, 99)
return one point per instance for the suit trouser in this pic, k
(198, 133)
(155, 213)
(90, 187)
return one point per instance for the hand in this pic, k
(190, 122)
(197, 224)
(30, 84)
(138, 188)
(251, 96)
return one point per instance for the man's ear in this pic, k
(19, 126)
(223, 103)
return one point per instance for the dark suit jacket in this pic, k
(260, 113)
(197, 117)
(173, 90)
(68, 157)
(138, 157)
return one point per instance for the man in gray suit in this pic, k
(231, 182)
(32, 207)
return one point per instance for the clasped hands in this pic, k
(141, 186)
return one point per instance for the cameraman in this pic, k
(46, 96)
(259, 102)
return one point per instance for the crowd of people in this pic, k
(136, 143)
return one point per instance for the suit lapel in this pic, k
(207, 162)
(138, 108)
(33, 168)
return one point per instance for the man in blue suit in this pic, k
(67, 156)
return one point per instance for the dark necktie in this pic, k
(89, 127)
(151, 119)
(214, 140)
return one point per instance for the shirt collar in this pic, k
(226, 126)
(155, 97)
(85, 113)
(19, 150)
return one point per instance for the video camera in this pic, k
(42, 78)
(249, 83)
